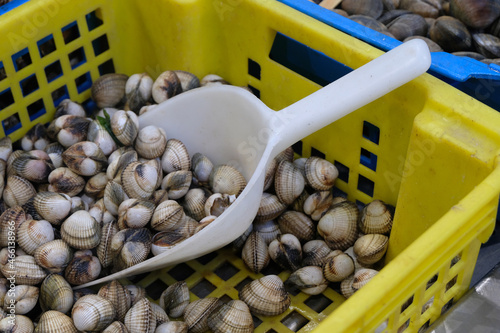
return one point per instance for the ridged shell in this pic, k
(17, 191)
(270, 171)
(202, 167)
(151, 142)
(22, 324)
(227, 179)
(346, 288)
(309, 280)
(5, 148)
(286, 251)
(63, 180)
(68, 129)
(362, 277)
(314, 253)
(136, 292)
(55, 322)
(53, 207)
(35, 138)
(177, 183)
(10, 162)
(114, 195)
(165, 240)
(175, 299)
(109, 90)
(212, 79)
(56, 294)
(32, 233)
(338, 266)
(266, 296)
(372, 8)
(116, 327)
(339, 225)
(141, 317)
(92, 313)
(268, 230)
(317, 204)
(288, 182)
(85, 158)
(175, 157)
(135, 213)
(104, 252)
(370, 248)
(167, 85)
(194, 203)
(83, 268)
(55, 150)
(119, 296)
(234, 317)
(217, 203)
(34, 165)
(376, 218)
(160, 314)
(172, 327)
(25, 269)
(270, 208)
(15, 214)
(188, 80)
(254, 253)
(297, 224)
(320, 173)
(98, 134)
(167, 216)
(139, 180)
(118, 160)
(125, 126)
(95, 185)
(197, 312)
(54, 256)
(298, 204)
(477, 13)
(23, 297)
(138, 91)
(81, 231)
(130, 247)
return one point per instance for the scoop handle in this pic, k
(352, 91)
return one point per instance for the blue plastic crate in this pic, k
(473, 77)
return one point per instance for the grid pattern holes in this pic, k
(6, 99)
(155, 289)
(455, 259)
(424, 327)
(256, 321)
(225, 299)
(36, 109)
(297, 147)
(203, 288)
(21, 59)
(371, 132)
(70, 32)
(3, 74)
(29, 84)
(431, 281)
(46, 45)
(59, 95)
(366, 185)
(77, 57)
(317, 153)
(406, 304)
(294, 321)
(243, 283)
(207, 258)
(343, 171)
(318, 302)
(94, 19)
(403, 327)
(254, 90)
(53, 71)
(83, 82)
(368, 159)
(226, 271)
(451, 283)
(447, 306)
(11, 124)
(253, 68)
(181, 272)
(106, 67)
(100, 45)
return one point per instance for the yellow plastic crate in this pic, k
(427, 148)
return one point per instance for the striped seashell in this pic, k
(56, 294)
(55, 322)
(141, 317)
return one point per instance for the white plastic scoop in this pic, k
(230, 125)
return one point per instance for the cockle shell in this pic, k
(119, 296)
(151, 142)
(314, 253)
(202, 167)
(227, 179)
(139, 180)
(175, 299)
(362, 277)
(177, 183)
(197, 312)
(138, 91)
(108, 91)
(53, 207)
(194, 203)
(23, 297)
(56, 294)
(141, 317)
(160, 314)
(104, 252)
(81, 231)
(25, 268)
(96, 184)
(188, 80)
(92, 313)
(268, 230)
(130, 247)
(114, 195)
(10, 220)
(5, 148)
(167, 216)
(212, 79)
(172, 327)
(125, 126)
(346, 288)
(266, 296)
(288, 182)
(370, 248)
(339, 225)
(22, 324)
(83, 268)
(320, 173)
(309, 280)
(376, 218)
(297, 224)
(255, 253)
(136, 292)
(85, 158)
(36, 138)
(118, 162)
(270, 207)
(167, 85)
(134, 213)
(217, 203)
(17, 191)
(338, 266)
(63, 180)
(68, 129)
(165, 240)
(55, 322)
(116, 327)
(175, 157)
(232, 317)
(54, 256)
(286, 251)
(98, 134)
(317, 204)
(32, 233)
(55, 150)
(34, 165)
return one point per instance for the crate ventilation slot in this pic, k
(303, 60)
(46, 45)
(70, 32)
(368, 159)
(366, 185)
(3, 74)
(36, 109)
(21, 59)
(371, 132)
(94, 19)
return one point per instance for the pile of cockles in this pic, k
(84, 197)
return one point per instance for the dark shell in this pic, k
(475, 13)
(408, 25)
(451, 34)
(371, 8)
